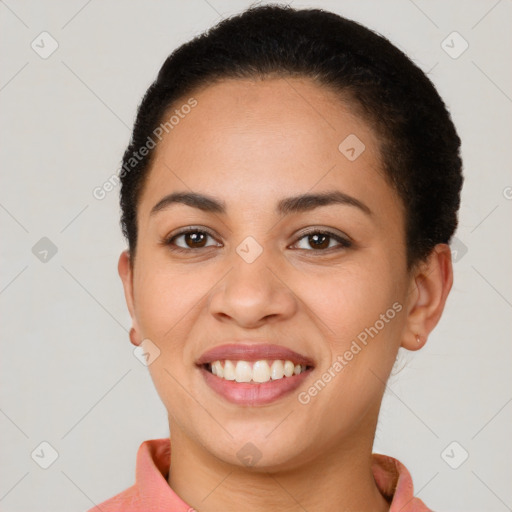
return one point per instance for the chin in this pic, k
(260, 449)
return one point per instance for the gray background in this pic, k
(68, 373)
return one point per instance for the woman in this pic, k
(288, 197)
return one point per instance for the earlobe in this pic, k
(134, 338)
(430, 286)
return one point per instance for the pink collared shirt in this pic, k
(151, 492)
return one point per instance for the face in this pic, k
(267, 275)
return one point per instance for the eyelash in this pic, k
(345, 243)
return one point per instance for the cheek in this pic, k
(164, 299)
(363, 314)
(352, 300)
(363, 322)
(167, 303)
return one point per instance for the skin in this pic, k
(250, 144)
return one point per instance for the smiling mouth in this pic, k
(255, 372)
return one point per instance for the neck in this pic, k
(340, 479)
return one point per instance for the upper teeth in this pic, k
(257, 371)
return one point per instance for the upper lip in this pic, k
(253, 352)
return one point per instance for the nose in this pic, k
(253, 293)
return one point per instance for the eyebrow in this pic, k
(287, 206)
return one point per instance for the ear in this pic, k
(125, 271)
(430, 285)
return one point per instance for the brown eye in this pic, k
(319, 241)
(322, 241)
(195, 240)
(189, 239)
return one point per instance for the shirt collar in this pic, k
(153, 462)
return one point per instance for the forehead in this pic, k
(246, 140)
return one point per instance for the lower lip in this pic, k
(245, 393)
